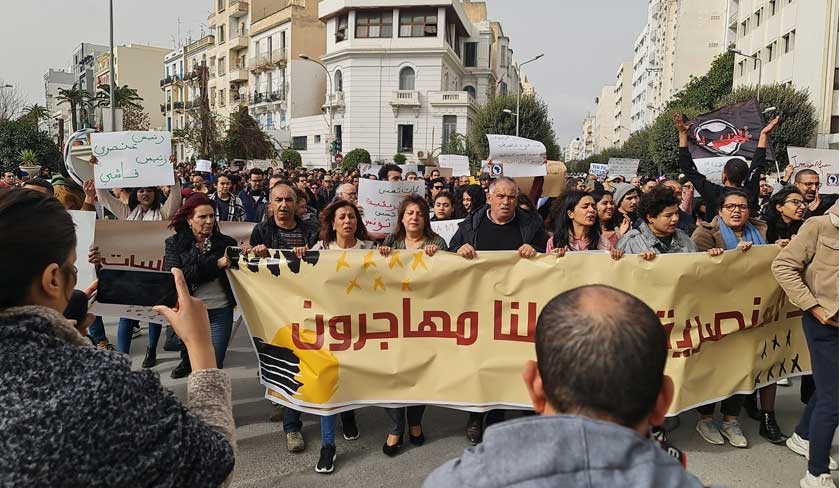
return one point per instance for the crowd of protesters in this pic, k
(318, 210)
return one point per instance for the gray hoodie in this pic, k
(560, 451)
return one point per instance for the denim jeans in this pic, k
(328, 424)
(221, 326)
(124, 331)
(96, 331)
(819, 420)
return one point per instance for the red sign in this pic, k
(339, 158)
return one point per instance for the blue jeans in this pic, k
(328, 424)
(221, 327)
(124, 330)
(292, 423)
(819, 420)
(96, 331)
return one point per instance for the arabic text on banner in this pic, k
(410, 329)
(132, 159)
(380, 201)
(823, 161)
(628, 168)
(519, 156)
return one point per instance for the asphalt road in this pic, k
(262, 459)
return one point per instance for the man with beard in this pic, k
(626, 197)
(254, 197)
(807, 181)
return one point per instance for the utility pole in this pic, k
(111, 71)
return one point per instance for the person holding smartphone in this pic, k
(54, 379)
(198, 248)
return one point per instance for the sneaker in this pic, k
(731, 429)
(821, 481)
(295, 442)
(783, 382)
(105, 346)
(801, 446)
(349, 428)
(709, 432)
(136, 331)
(770, 430)
(326, 463)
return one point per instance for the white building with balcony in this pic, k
(176, 99)
(405, 76)
(623, 103)
(796, 43)
(54, 80)
(604, 125)
(227, 61)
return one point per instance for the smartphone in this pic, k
(140, 288)
(77, 307)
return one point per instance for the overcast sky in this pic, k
(583, 41)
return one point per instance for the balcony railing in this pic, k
(178, 105)
(336, 100)
(405, 98)
(453, 98)
(271, 97)
(238, 8)
(267, 61)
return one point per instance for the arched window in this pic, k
(339, 81)
(406, 79)
(470, 89)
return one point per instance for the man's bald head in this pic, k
(347, 191)
(601, 352)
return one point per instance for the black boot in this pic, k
(769, 429)
(151, 358)
(751, 406)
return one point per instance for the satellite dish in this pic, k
(420, 154)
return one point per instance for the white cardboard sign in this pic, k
(823, 161)
(446, 228)
(520, 156)
(380, 201)
(132, 159)
(460, 164)
(623, 167)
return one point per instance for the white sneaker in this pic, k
(783, 382)
(732, 431)
(801, 446)
(709, 432)
(821, 481)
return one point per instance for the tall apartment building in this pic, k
(587, 136)
(176, 102)
(406, 75)
(604, 125)
(84, 72)
(796, 42)
(54, 80)
(623, 103)
(679, 40)
(137, 66)
(230, 27)
(283, 85)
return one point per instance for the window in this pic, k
(713, 45)
(406, 79)
(756, 55)
(745, 27)
(503, 88)
(835, 124)
(418, 23)
(341, 28)
(317, 139)
(758, 17)
(299, 143)
(772, 7)
(374, 24)
(789, 39)
(741, 68)
(222, 66)
(470, 90)
(221, 32)
(769, 50)
(339, 81)
(470, 54)
(836, 79)
(715, 17)
(405, 135)
(338, 135)
(221, 5)
(450, 126)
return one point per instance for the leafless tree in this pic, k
(12, 102)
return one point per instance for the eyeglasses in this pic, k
(730, 207)
(810, 184)
(438, 187)
(798, 203)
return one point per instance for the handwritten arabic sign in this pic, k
(408, 328)
(823, 161)
(599, 170)
(712, 168)
(380, 201)
(446, 228)
(622, 167)
(520, 156)
(460, 164)
(132, 159)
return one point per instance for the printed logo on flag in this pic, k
(720, 137)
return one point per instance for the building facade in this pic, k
(84, 73)
(622, 110)
(54, 80)
(587, 137)
(137, 66)
(229, 80)
(604, 125)
(176, 102)
(796, 43)
(405, 76)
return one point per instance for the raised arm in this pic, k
(707, 189)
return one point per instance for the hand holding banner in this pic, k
(132, 159)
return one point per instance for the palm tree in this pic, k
(75, 97)
(124, 97)
(34, 114)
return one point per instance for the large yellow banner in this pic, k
(339, 330)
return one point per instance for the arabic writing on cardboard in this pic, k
(132, 159)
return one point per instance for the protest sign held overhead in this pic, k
(823, 161)
(460, 164)
(628, 168)
(132, 159)
(519, 156)
(728, 132)
(203, 165)
(599, 170)
(380, 201)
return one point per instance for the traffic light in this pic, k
(335, 147)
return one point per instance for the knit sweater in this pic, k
(71, 415)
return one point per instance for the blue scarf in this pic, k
(730, 240)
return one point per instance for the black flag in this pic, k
(731, 131)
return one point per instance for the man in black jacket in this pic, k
(284, 230)
(736, 173)
(498, 226)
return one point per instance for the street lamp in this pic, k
(519, 91)
(111, 69)
(7, 86)
(760, 69)
(329, 100)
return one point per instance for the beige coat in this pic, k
(806, 269)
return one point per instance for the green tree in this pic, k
(705, 91)
(75, 97)
(246, 140)
(204, 134)
(534, 124)
(124, 97)
(28, 157)
(16, 137)
(291, 158)
(354, 158)
(799, 120)
(34, 114)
